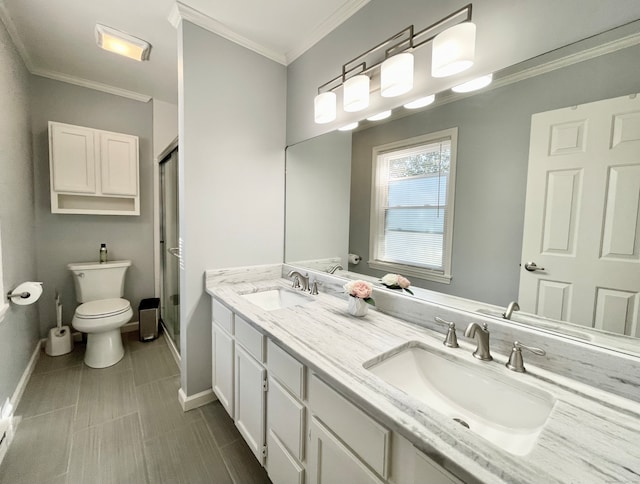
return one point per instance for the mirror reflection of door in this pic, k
(169, 248)
(587, 252)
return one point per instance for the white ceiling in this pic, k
(56, 38)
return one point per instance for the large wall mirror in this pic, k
(332, 174)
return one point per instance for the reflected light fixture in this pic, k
(421, 102)
(123, 44)
(380, 116)
(455, 36)
(396, 75)
(324, 106)
(474, 84)
(349, 127)
(453, 50)
(355, 94)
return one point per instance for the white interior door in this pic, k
(582, 216)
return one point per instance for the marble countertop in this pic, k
(591, 436)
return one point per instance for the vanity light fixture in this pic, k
(453, 50)
(120, 43)
(421, 102)
(394, 58)
(474, 84)
(355, 96)
(396, 75)
(380, 116)
(349, 127)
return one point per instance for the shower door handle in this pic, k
(174, 251)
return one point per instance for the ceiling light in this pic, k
(349, 127)
(474, 84)
(421, 102)
(396, 75)
(453, 50)
(324, 107)
(120, 43)
(355, 96)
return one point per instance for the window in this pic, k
(412, 206)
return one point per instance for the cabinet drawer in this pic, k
(286, 418)
(250, 338)
(288, 370)
(366, 437)
(282, 468)
(222, 315)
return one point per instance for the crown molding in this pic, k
(97, 86)
(15, 37)
(184, 12)
(326, 27)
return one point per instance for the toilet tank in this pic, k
(95, 281)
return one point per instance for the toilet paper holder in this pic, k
(23, 295)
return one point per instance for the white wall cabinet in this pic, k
(93, 171)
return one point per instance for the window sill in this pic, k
(412, 271)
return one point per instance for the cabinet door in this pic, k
(222, 371)
(329, 461)
(250, 401)
(72, 157)
(286, 418)
(119, 164)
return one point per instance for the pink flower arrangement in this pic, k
(396, 281)
(361, 290)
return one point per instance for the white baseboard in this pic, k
(194, 401)
(8, 422)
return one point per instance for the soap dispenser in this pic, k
(103, 253)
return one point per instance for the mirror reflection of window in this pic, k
(412, 206)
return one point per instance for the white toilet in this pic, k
(99, 287)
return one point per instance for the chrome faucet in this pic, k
(481, 335)
(334, 268)
(513, 306)
(299, 280)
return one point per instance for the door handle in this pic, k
(532, 267)
(174, 251)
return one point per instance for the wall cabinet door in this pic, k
(223, 363)
(250, 406)
(72, 158)
(329, 461)
(119, 164)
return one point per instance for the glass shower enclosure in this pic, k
(169, 248)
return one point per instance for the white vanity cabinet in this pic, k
(251, 387)
(223, 356)
(93, 171)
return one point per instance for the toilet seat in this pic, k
(102, 308)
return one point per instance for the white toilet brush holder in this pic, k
(59, 342)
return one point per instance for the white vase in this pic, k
(357, 307)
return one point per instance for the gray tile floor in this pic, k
(121, 425)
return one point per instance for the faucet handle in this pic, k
(296, 282)
(451, 340)
(515, 362)
(314, 287)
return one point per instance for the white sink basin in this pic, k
(272, 299)
(506, 412)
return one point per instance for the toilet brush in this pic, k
(59, 341)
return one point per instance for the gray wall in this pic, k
(493, 148)
(63, 238)
(19, 332)
(232, 138)
(507, 32)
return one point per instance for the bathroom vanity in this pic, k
(321, 396)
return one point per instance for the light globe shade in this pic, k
(421, 102)
(324, 107)
(356, 93)
(453, 50)
(396, 75)
(474, 84)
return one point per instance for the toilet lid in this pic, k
(102, 308)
